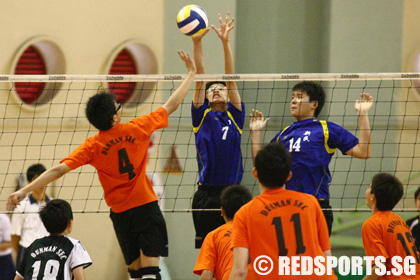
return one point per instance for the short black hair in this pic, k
(417, 193)
(273, 164)
(388, 191)
(34, 171)
(209, 84)
(56, 216)
(100, 109)
(314, 91)
(233, 198)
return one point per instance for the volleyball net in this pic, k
(53, 125)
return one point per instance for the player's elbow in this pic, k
(238, 273)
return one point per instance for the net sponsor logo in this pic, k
(4, 78)
(321, 266)
(172, 77)
(114, 78)
(410, 75)
(290, 76)
(231, 77)
(57, 77)
(349, 76)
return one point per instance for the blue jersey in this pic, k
(312, 144)
(218, 143)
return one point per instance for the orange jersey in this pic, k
(216, 254)
(120, 157)
(282, 222)
(386, 234)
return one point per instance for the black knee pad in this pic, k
(150, 273)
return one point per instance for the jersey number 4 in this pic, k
(300, 247)
(124, 164)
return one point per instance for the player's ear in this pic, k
(254, 173)
(315, 104)
(289, 176)
(223, 211)
(69, 227)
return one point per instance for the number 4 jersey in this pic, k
(53, 257)
(120, 157)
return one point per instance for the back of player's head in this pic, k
(56, 216)
(232, 198)
(315, 93)
(417, 193)
(387, 189)
(100, 110)
(209, 84)
(273, 164)
(34, 171)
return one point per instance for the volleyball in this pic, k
(192, 20)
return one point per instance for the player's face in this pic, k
(300, 106)
(369, 196)
(217, 93)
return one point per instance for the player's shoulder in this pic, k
(74, 241)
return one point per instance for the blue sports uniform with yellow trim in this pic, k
(312, 143)
(218, 142)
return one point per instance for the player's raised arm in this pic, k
(44, 179)
(200, 87)
(363, 150)
(223, 32)
(178, 96)
(256, 124)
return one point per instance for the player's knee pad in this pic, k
(150, 273)
(134, 274)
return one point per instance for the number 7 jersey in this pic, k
(120, 157)
(218, 143)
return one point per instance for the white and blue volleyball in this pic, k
(192, 20)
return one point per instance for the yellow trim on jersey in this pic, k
(231, 117)
(326, 137)
(196, 129)
(278, 138)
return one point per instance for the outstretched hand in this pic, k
(363, 105)
(225, 27)
(200, 36)
(256, 120)
(189, 62)
(14, 199)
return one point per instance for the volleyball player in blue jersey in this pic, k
(313, 142)
(218, 118)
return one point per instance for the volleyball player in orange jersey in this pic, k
(278, 222)
(119, 154)
(216, 257)
(385, 233)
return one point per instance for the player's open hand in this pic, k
(363, 105)
(225, 27)
(14, 199)
(189, 62)
(198, 37)
(256, 120)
